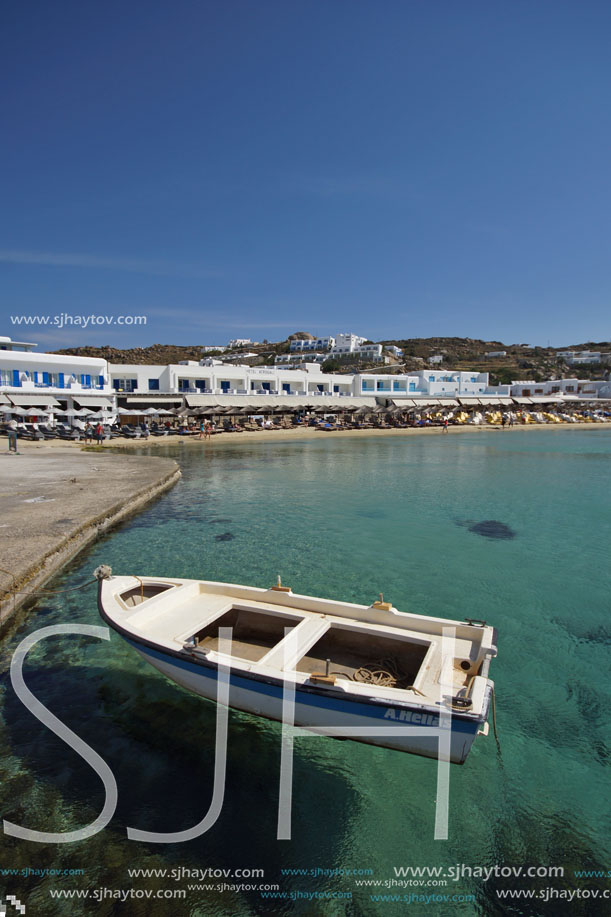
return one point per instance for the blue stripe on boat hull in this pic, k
(202, 680)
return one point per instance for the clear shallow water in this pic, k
(344, 518)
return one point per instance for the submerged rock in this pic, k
(226, 536)
(490, 528)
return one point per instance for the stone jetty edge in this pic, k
(40, 571)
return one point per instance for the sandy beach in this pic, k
(298, 434)
(56, 500)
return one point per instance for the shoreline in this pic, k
(58, 502)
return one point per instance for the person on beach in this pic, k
(88, 433)
(12, 435)
(503, 421)
(208, 431)
(202, 429)
(445, 425)
(99, 434)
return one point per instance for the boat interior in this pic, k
(316, 638)
(340, 651)
(351, 654)
(254, 632)
(144, 591)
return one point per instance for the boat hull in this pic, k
(316, 711)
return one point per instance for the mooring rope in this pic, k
(44, 591)
(496, 736)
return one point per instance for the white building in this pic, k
(323, 343)
(239, 342)
(392, 348)
(430, 383)
(224, 379)
(346, 343)
(297, 358)
(36, 380)
(8, 344)
(435, 359)
(580, 388)
(584, 356)
(30, 380)
(496, 353)
(371, 352)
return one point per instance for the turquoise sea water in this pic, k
(345, 518)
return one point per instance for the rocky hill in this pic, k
(520, 360)
(156, 353)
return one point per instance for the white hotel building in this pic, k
(38, 380)
(204, 385)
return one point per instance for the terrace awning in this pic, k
(94, 401)
(261, 404)
(523, 400)
(494, 399)
(467, 402)
(201, 401)
(34, 401)
(158, 399)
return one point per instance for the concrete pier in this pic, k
(55, 501)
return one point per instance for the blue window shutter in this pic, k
(45, 378)
(88, 380)
(101, 381)
(60, 380)
(16, 379)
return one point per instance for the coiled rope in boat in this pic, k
(385, 673)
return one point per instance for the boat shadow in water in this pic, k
(159, 742)
(487, 528)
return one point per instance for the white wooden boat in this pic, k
(349, 666)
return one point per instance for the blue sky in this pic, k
(248, 169)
